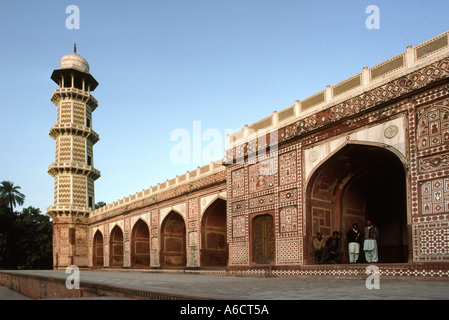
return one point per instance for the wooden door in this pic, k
(263, 239)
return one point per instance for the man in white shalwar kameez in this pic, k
(353, 238)
(370, 243)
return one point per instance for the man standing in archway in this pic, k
(370, 243)
(353, 238)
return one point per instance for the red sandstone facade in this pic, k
(375, 145)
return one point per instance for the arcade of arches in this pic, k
(357, 182)
(214, 251)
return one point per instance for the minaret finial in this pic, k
(74, 48)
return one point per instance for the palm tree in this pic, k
(11, 194)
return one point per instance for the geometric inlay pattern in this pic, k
(238, 183)
(288, 219)
(238, 226)
(288, 195)
(433, 127)
(435, 196)
(261, 175)
(287, 168)
(434, 163)
(238, 253)
(434, 241)
(288, 251)
(262, 201)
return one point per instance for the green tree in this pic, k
(25, 237)
(11, 194)
(34, 246)
(7, 231)
(100, 204)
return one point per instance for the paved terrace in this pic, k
(50, 284)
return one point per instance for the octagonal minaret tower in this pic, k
(73, 169)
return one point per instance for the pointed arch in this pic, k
(140, 245)
(211, 200)
(97, 252)
(357, 181)
(116, 247)
(214, 250)
(173, 241)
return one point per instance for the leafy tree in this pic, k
(100, 204)
(11, 194)
(35, 244)
(25, 237)
(7, 231)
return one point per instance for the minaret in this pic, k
(73, 169)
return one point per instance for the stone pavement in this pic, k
(222, 287)
(7, 294)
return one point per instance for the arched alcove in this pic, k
(97, 252)
(116, 247)
(140, 245)
(355, 183)
(173, 241)
(213, 235)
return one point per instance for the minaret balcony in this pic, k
(74, 129)
(68, 211)
(73, 168)
(74, 93)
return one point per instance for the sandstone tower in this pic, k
(73, 169)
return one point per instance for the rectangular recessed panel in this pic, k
(394, 64)
(286, 113)
(348, 85)
(313, 101)
(263, 124)
(431, 47)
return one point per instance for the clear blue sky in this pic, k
(164, 64)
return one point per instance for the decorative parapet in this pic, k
(186, 179)
(412, 59)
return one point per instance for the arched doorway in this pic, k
(97, 256)
(173, 241)
(263, 241)
(356, 183)
(116, 247)
(140, 245)
(213, 235)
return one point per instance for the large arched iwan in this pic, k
(356, 183)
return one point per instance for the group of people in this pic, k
(328, 251)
